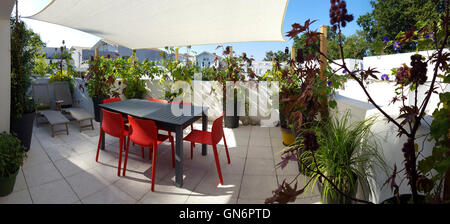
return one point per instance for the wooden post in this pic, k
(134, 54)
(292, 53)
(176, 54)
(323, 67)
(17, 11)
(96, 53)
(231, 51)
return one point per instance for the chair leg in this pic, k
(154, 165)
(173, 151)
(99, 143)
(126, 156)
(192, 150)
(120, 156)
(216, 157)
(226, 148)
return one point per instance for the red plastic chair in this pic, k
(145, 134)
(113, 124)
(117, 99)
(210, 138)
(112, 100)
(157, 100)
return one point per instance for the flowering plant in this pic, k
(100, 78)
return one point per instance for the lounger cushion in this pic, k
(79, 114)
(54, 117)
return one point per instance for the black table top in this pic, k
(156, 111)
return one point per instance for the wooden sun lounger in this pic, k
(81, 115)
(55, 118)
(64, 97)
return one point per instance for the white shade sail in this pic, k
(140, 24)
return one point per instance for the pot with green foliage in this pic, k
(61, 67)
(100, 82)
(25, 45)
(12, 155)
(347, 155)
(174, 74)
(228, 73)
(132, 72)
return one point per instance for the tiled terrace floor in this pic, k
(63, 170)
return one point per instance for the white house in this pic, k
(261, 67)
(207, 59)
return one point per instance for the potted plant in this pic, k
(132, 72)
(100, 82)
(25, 45)
(347, 155)
(61, 67)
(173, 73)
(338, 156)
(12, 155)
(232, 69)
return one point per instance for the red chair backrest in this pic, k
(142, 132)
(217, 130)
(112, 123)
(157, 100)
(112, 100)
(183, 103)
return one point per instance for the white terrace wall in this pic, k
(383, 92)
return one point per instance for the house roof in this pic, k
(208, 53)
(80, 48)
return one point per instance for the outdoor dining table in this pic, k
(166, 118)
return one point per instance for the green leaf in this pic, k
(332, 104)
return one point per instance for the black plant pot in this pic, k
(232, 121)
(283, 122)
(7, 184)
(404, 199)
(138, 95)
(23, 128)
(97, 110)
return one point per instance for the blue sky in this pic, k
(298, 11)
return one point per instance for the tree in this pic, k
(355, 46)
(390, 17)
(278, 55)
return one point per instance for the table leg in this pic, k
(204, 128)
(179, 156)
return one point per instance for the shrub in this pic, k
(12, 154)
